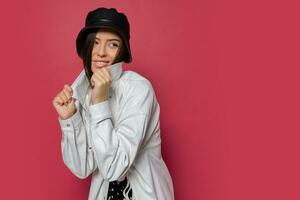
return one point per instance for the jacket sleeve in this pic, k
(76, 153)
(117, 145)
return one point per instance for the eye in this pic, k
(114, 45)
(96, 42)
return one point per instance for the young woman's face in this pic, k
(107, 45)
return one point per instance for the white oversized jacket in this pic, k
(117, 138)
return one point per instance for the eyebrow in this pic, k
(112, 39)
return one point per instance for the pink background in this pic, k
(225, 72)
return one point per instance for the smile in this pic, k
(100, 63)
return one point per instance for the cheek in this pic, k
(110, 51)
(93, 54)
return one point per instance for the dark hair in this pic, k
(87, 53)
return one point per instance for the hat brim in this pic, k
(81, 37)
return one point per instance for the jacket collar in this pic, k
(81, 84)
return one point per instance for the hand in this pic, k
(64, 103)
(101, 81)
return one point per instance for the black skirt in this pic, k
(119, 190)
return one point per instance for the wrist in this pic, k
(65, 117)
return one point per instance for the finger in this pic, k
(57, 101)
(68, 88)
(71, 100)
(67, 93)
(63, 96)
(107, 73)
(95, 80)
(100, 76)
(60, 100)
(92, 81)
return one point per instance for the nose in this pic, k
(101, 51)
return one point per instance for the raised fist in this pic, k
(101, 82)
(64, 103)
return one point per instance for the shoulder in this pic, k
(137, 93)
(134, 80)
(134, 84)
(132, 76)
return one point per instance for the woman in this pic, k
(110, 118)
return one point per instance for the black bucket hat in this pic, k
(106, 18)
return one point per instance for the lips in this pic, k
(101, 63)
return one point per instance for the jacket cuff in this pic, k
(71, 122)
(100, 111)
